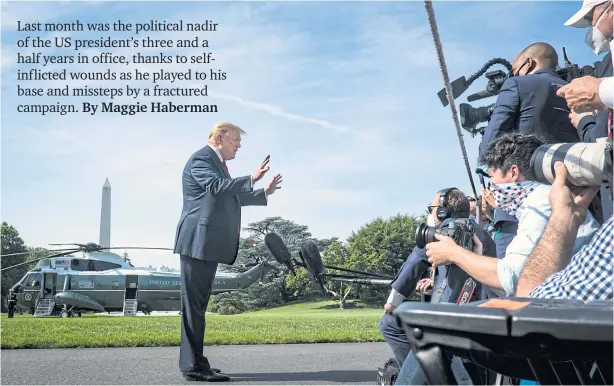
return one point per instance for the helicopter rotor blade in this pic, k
(41, 258)
(31, 252)
(158, 248)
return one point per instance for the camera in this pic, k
(588, 164)
(471, 116)
(461, 230)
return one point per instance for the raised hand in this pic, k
(569, 200)
(273, 185)
(261, 170)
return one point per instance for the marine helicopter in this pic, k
(104, 282)
(101, 281)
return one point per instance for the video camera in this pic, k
(472, 116)
(461, 230)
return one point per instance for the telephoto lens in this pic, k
(424, 235)
(587, 163)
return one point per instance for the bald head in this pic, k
(535, 57)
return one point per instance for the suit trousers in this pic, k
(395, 336)
(196, 281)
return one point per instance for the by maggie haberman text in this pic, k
(138, 107)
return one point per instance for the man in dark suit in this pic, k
(416, 265)
(528, 100)
(208, 234)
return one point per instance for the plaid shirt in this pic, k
(588, 276)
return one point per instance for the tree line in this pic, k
(380, 246)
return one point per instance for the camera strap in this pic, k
(611, 112)
(466, 292)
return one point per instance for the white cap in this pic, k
(579, 19)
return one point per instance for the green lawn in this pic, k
(316, 322)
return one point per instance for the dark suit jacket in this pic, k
(417, 263)
(211, 216)
(590, 128)
(529, 104)
(506, 227)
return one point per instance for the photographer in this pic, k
(516, 192)
(527, 101)
(413, 270)
(447, 205)
(550, 271)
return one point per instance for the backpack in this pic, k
(389, 373)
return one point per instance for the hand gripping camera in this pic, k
(461, 230)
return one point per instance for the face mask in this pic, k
(595, 39)
(510, 196)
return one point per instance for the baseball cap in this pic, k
(579, 19)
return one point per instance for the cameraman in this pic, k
(550, 271)
(527, 101)
(517, 193)
(447, 205)
(412, 271)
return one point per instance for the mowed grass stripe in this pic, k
(307, 323)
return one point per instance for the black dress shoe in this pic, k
(206, 376)
(216, 370)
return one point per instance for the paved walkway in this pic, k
(322, 363)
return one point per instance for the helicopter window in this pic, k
(86, 284)
(34, 280)
(104, 265)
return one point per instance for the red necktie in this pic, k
(225, 167)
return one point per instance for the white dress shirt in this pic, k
(606, 92)
(606, 88)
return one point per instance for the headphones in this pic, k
(443, 210)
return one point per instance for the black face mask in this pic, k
(523, 64)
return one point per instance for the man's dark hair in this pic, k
(459, 204)
(542, 52)
(509, 149)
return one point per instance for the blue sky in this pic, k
(343, 96)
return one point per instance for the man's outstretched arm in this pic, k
(553, 251)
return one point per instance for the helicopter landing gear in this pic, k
(70, 313)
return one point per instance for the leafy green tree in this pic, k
(381, 246)
(12, 243)
(336, 255)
